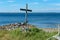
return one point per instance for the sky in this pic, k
(35, 5)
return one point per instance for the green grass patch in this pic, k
(32, 34)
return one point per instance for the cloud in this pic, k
(45, 0)
(10, 1)
(55, 4)
(47, 10)
(58, 4)
(35, 3)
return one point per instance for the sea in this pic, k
(41, 20)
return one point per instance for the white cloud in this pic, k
(58, 4)
(45, 0)
(47, 10)
(35, 3)
(10, 1)
(54, 4)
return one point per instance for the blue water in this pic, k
(43, 20)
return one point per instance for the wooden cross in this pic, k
(26, 12)
(58, 29)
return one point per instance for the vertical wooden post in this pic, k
(26, 13)
(58, 29)
(26, 10)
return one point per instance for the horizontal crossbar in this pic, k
(26, 10)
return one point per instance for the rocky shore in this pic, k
(22, 25)
(9, 26)
(13, 26)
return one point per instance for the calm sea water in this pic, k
(43, 20)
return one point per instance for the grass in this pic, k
(59, 34)
(32, 34)
(53, 39)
